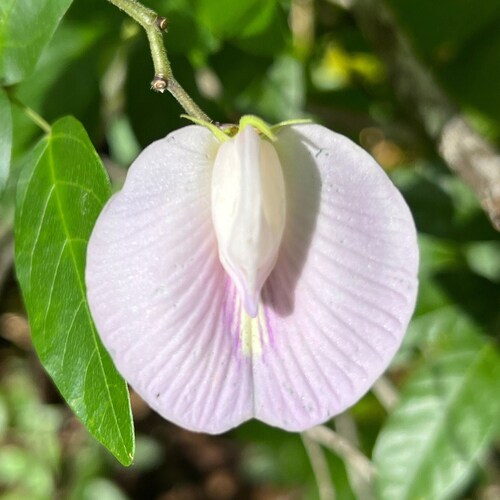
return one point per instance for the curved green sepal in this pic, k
(218, 132)
(225, 132)
(287, 123)
(259, 124)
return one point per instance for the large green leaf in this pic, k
(5, 138)
(62, 189)
(448, 414)
(25, 28)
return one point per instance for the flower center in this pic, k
(248, 212)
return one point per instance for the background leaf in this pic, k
(25, 28)
(448, 414)
(5, 138)
(67, 75)
(460, 41)
(61, 192)
(229, 19)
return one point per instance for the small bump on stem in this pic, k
(163, 80)
(162, 23)
(159, 83)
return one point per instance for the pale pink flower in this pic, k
(253, 278)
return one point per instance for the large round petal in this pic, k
(158, 294)
(333, 311)
(339, 300)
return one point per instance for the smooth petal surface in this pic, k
(332, 313)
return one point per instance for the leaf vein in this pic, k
(82, 287)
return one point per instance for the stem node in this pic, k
(159, 83)
(162, 23)
(154, 25)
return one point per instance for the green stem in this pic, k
(164, 79)
(31, 114)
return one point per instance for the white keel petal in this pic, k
(248, 212)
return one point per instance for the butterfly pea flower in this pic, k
(253, 272)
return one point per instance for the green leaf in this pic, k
(482, 257)
(230, 19)
(5, 138)
(182, 19)
(26, 26)
(447, 416)
(62, 189)
(71, 65)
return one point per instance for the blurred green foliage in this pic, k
(282, 59)
(25, 28)
(460, 41)
(5, 138)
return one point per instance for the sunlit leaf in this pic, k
(447, 416)
(5, 138)
(483, 258)
(62, 190)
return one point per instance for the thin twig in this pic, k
(386, 393)
(465, 151)
(342, 447)
(343, 4)
(30, 113)
(319, 466)
(154, 25)
(346, 428)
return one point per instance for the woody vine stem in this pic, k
(154, 26)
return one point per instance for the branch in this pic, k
(346, 428)
(30, 113)
(154, 25)
(465, 151)
(386, 393)
(342, 447)
(320, 468)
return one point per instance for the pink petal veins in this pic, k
(343, 290)
(158, 294)
(332, 313)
